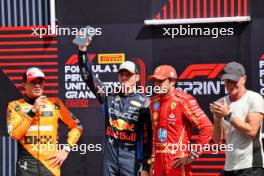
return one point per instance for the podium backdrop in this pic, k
(198, 60)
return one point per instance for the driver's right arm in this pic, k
(95, 85)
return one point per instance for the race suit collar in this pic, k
(128, 95)
(168, 96)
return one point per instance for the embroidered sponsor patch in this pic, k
(17, 108)
(162, 134)
(135, 103)
(57, 107)
(155, 116)
(156, 105)
(46, 113)
(173, 105)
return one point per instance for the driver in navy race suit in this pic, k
(128, 131)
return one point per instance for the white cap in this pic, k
(33, 73)
(129, 66)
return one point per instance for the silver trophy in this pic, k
(85, 35)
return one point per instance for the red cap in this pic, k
(163, 72)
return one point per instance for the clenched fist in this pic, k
(39, 102)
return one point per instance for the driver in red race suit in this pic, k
(174, 113)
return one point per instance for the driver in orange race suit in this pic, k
(33, 121)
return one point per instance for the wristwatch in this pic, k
(67, 148)
(228, 117)
(192, 157)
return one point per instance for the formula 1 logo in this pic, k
(209, 70)
(207, 87)
(74, 59)
(261, 74)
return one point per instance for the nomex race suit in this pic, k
(127, 126)
(37, 134)
(173, 117)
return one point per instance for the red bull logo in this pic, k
(122, 135)
(121, 125)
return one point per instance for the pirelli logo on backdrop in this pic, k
(116, 58)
